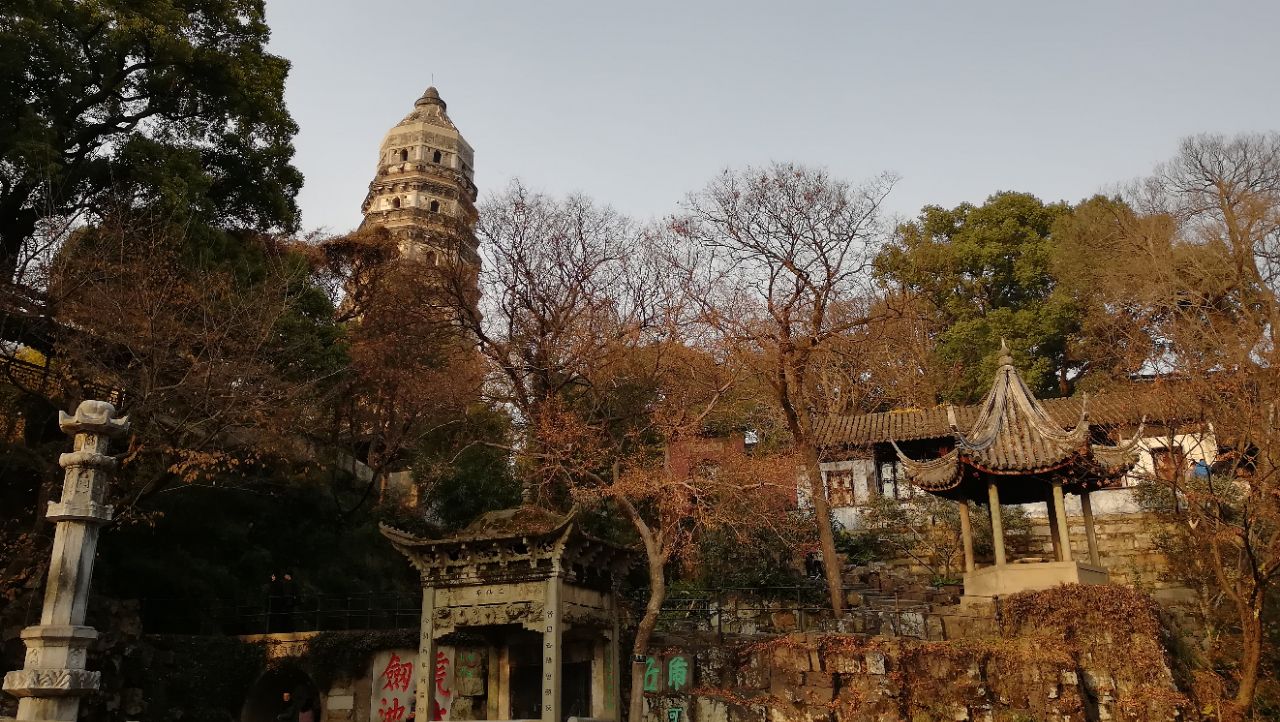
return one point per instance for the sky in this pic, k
(638, 103)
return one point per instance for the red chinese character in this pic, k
(393, 712)
(398, 674)
(442, 669)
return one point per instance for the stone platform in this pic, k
(1004, 579)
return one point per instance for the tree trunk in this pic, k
(1250, 656)
(826, 537)
(17, 225)
(640, 648)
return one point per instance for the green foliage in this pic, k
(176, 106)
(216, 543)
(859, 547)
(926, 529)
(204, 677)
(722, 559)
(334, 656)
(461, 475)
(987, 272)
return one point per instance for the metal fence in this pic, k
(283, 613)
(727, 611)
(736, 611)
(41, 379)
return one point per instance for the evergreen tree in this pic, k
(170, 103)
(986, 272)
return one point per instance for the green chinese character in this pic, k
(673, 714)
(651, 675)
(678, 673)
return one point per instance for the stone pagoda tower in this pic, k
(423, 190)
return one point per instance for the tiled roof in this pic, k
(1115, 408)
(1015, 442)
(530, 521)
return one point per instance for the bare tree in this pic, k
(777, 261)
(212, 357)
(411, 370)
(1207, 241)
(565, 289)
(580, 326)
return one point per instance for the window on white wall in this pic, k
(840, 488)
(892, 482)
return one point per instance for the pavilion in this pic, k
(1014, 453)
(534, 596)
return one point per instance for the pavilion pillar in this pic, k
(966, 535)
(1064, 530)
(1053, 525)
(425, 684)
(552, 634)
(53, 678)
(493, 683)
(997, 524)
(1087, 507)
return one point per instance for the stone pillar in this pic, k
(613, 675)
(1091, 535)
(997, 524)
(53, 678)
(1053, 527)
(425, 689)
(599, 678)
(551, 636)
(493, 708)
(1060, 513)
(504, 684)
(966, 534)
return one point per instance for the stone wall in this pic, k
(1070, 654)
(803, 678)
(1126, 544)
(1126, 547)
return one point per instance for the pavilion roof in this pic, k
(1125, 406)
(1014, 441)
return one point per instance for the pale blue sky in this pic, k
(637, 103)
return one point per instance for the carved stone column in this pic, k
(53, 678)
(552, 635)
(425, 685)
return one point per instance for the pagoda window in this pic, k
(435, 206)
(404, 155)
(395, 202)
(436, 157)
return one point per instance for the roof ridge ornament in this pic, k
(1006, 357)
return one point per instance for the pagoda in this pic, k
(1014, 453)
